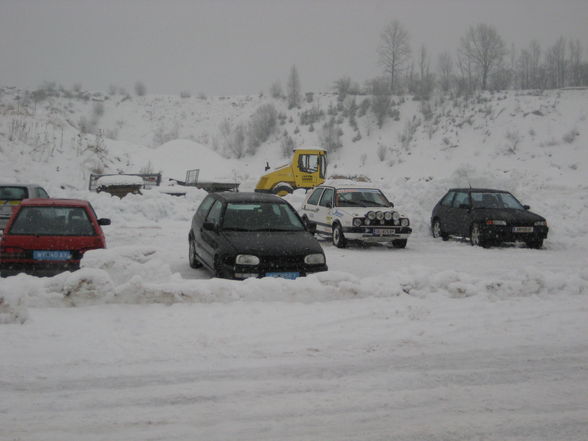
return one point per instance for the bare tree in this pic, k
(294, 94)
(445, 68)
(276, 90)
(381, 101)
(556, 63)
(140, 88)
(485, 49)
(426, 80)
(394, 51)
(342, 87)
(575, 63)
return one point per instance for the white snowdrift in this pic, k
(138, 275)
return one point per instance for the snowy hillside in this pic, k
(531, 143)
(440, 340)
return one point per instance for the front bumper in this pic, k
(506, 233)
(377, 233)
(258, 271)
(45, 269)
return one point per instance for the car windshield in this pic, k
(355, 197)
(10, 193)
(495, 200)
(53, 221)
(262, 216)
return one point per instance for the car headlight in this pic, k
(495, 222)
(357, 222)
(388, 215)
(404, 222)
(379, 215)
(541, 223)
(395, 215)
(314, 259)
(246, 259)
(371, 215)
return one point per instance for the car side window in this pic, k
(41, 193)
(214, 214)
(315, 196)
(327, 198)
(461, 198)
(205, 206)
(446, 201)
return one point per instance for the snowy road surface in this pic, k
(440, 341)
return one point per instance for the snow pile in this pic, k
(139, 275)
(106, 181)
(173, 159)
(14, 293)
(152, 206)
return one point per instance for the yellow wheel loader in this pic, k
(307, 169)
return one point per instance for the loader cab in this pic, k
(306, 169)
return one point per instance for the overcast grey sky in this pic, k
(243, 46)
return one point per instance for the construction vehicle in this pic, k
(307, 169)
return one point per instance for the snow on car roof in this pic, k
(349, 183)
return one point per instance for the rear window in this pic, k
(263, 216)
(53, 221)
(10, 193)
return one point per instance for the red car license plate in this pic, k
(51, 255)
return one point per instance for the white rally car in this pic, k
(354, 211)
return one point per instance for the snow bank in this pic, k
(107, 181)
(138, 275)
(176, 157)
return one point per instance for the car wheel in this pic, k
(399, 243)
(437, 232)
(536, 243)
(476, 238)
(338, 238)
(194, 262)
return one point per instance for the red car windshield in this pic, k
(52, 221)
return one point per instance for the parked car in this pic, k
(243, 235)
(48, 236)
(11, 194)
(349, 211)
(487, 217)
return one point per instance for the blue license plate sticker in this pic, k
(284, 275)
(51, 255)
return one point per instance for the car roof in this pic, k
(348, 183)
(247, 196)
(17, 184)
(54, 202)
(484, 190)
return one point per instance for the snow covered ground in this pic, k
(439, 341)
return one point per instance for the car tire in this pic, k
(306, 223)
(338, 238)
(437, 232)
(476, 238)
(536, 243)
(194, 262)
(399, 243)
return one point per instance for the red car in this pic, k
(49, 236)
